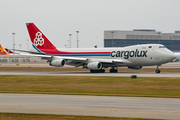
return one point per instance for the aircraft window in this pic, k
(162, 47)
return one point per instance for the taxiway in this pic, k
(167, 65)
(132, 107)
(120, 74)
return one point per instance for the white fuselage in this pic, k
(137, 55)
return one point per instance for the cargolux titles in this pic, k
(128, 54)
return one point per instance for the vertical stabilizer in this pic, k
(9, 51)
(2, 51)
(39, 40)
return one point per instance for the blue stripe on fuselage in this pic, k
(36, 48)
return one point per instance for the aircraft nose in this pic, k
(171, 56)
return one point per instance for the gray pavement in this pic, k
(120, 74)
(167, 65)
(131, 107)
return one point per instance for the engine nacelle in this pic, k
(135, 67)
(57, 63)
(94, 65)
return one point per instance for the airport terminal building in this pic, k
(16, 58)
(120, 38)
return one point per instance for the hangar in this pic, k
(120, 38)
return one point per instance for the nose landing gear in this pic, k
(158, 70)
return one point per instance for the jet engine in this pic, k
(57, 63)
(94, 65)
(135, 67)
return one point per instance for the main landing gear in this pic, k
(98, 71)
(103, 71)
(113, 70)
(158, 70)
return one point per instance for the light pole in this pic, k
(67, 43)
(70, 40)
(13, 43)
(20, 46)
(77, 39)
(27, 44)
(112, 38)
(65, 46)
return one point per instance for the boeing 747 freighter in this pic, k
(96, 59)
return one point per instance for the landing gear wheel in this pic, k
(158, 71)
(94, 71)
(97, 71)
(102, 71)
(91, 71)
(113, 71)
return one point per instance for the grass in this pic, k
(84, 85)
(17, 116)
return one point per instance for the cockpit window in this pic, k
(162, 47)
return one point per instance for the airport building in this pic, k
(16, 58)
(120, 38)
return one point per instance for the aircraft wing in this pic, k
(77, 61)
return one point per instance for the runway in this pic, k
(167, 65)
(132, 107)
(120, 74)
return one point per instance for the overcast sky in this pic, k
(59, 18)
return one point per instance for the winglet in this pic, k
(2, 51)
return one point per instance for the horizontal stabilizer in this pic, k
(29, 52)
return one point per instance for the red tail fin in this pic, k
(9, 51)
(2, 51)
(38, 39)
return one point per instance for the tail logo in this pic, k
(2, 50)
(38, 39)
